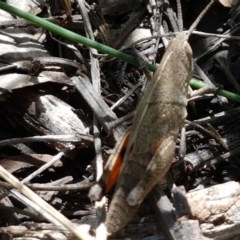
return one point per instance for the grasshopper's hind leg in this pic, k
(156, 170)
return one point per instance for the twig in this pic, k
(47, 138)
(46, 165)
(47, 211)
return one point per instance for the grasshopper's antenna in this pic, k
(195, 23)
(179, 16)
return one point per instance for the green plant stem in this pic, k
(230, 95)
(76, 38)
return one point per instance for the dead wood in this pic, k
(44, 114)
(217, 209)
(102, 111)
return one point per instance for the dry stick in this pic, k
(25, 200)
(126, 96)
(83, 185)
(95, 76)
(102, 111)
(95, 73)
(214, 135)
(47, 211)
(46, 165)
(155, 21)
(151, 149)
(162, 35)
(48, 138)
(122, 120)
(171, 16)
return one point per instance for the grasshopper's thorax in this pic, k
(170, 82)
(181, 46)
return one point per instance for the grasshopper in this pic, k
(152, 138)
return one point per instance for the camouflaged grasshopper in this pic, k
(152, 138)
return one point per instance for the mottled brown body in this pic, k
(160, 114)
